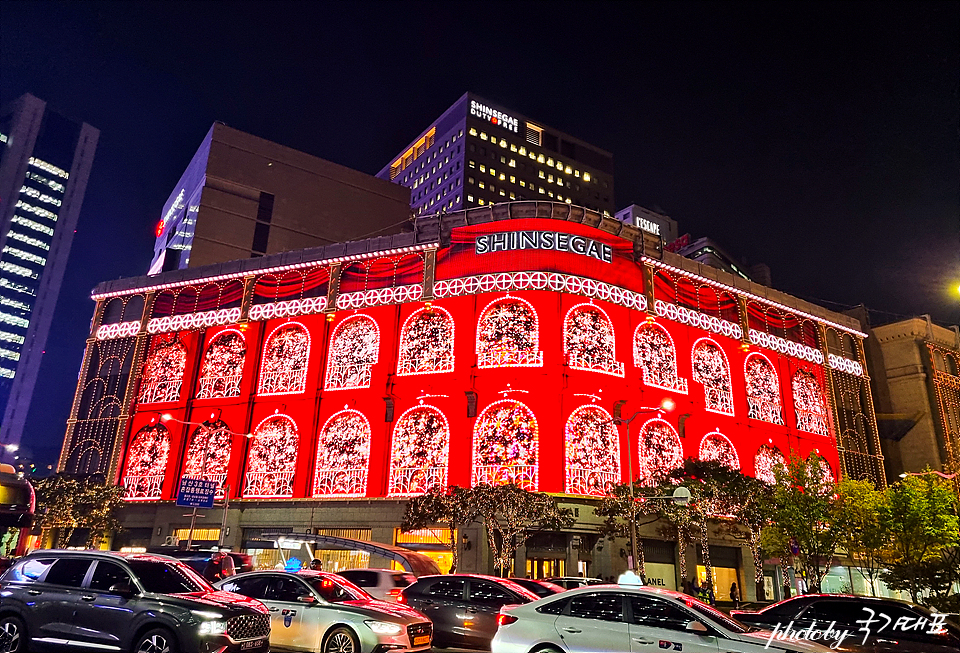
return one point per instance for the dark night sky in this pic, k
(821, 139)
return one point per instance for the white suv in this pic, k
(382, 584)
(630, 619)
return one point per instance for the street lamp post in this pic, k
(665, 406)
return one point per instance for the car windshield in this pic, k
(337, 591)
(715, 615)
(168, 577)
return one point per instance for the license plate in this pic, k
(256, 643)
(421, 640)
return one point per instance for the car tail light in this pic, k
(505, 619)
(401, 598)
(393, 592)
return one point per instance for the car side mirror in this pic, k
(697, 627)
(309, 599)
(124, 590)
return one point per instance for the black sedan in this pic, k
(862, 624)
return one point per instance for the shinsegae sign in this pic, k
(516, 240)
(490, 114)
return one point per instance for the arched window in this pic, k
(763, 389)
(285, 358)
(593, 452)
(343, 455)
(716, 446)
(655, 355)
(354, 348)
(208, 456)
(658, 450)
(426, 343)
(588, 340)
(222, 368)
(420, 450)
(163, 372)
(508, 335)
(147, 462)
(272, 460)
(765, 463)
(711, 369)
(809, 404)
(505, 442)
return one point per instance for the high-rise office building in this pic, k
(45, 161)
(478, 153)
(243, 196)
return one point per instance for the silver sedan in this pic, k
(317, 611)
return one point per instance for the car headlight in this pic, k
(213, 627)
(384, 627)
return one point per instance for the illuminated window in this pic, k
(503, 193)
(15, 320)
(208, 456)
(659, 451)
(222, 368)
(473, 131)
(513, 196)
(30, 224)
(513, 179)
(505, 439)
(272, 461)
(163, 371)
(483, 168)
(559, 166)
(549, 179)
(540, 189)
(482, 184)
(586, 176)
(147, 462)
(513, 148)
(711, 369)
(343, 455)
(47, 167)
(809, 404)
(508, 335)
(469, 198)
(483, 136)
(550, 193)
(9, 355)
(503, 143)
(763, 389)
(576, 173)
(523, 184)
(542, 174)
(419, 452)
(472, 163)
(23, 238)
(481, 201)
(513, 163)
(592, 452)
(568, 170)
(589, 342)
(654, 353)
(24, 256)
(285, 360)
(540, 159)
(550, 161)
(354, 348)
(717, 447)
(523, 151)
(766, 463)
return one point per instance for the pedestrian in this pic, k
(316, 564)
(708, 591)
(216, 568)
(735, 595)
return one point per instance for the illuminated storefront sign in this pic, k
(489, 114)
(513, 240)
(649, 226)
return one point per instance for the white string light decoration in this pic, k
(163, 372)
(659, 451)
(508, 335)
(656, 356)
(222, 369)
(766, 461)
(147, 462)
(763, 389)
(208, 456)
(589, 342)
(426, 343)
(354, 348)
(809, 404)
(343, 455)
(712, 370)
(285, 359)
(505, 445)
(272, 460)
(420, 451)
(592, 451)
(717, 447)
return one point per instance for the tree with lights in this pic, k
(454, 507)
(66, 502)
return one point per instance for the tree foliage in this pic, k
(453, 507)
(66, 502)
(862, 517)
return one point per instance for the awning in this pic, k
(416, 563)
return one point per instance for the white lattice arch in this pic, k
(402, 364)
(592, 482)
(698, 379)
(342, 482)
(612, 366)
(778, 417)
(266, 346)
(345, 377)
(409, 481)
(511, 298)
(645, 460)
(705, 454)
(680, 385)
(526, 476)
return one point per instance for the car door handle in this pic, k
(34, 592)
(88, 597)
(640, 640)
(274, 609)
(572, 630)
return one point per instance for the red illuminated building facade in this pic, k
(488, 346)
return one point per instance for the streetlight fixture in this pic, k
(666, 405)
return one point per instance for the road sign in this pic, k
(196, 493)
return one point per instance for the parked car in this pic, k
(464, 607)
(319, 611)
(105, 601)
(198, 560)
(625, 618)
(895, 626)
(573, 582)
(541, 588)
(383, 584)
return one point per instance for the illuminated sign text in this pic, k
(514, 240)
(492, 115)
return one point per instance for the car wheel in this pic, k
(341, 640)
(158, 640)
(13, 635)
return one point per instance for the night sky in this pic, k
(821, 139)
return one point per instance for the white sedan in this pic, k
(631, 619)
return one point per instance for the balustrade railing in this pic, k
(283, 382)
(269, 484)
(718, 400)
(416, 480)
(765, 409)
(812, 422)
(590, 482)
(666, 381)
(431, 365)
(342, 377)
(344, 482)
(510, 358)
(215, 387)
(143, 487)
(523, 475)
(155, 392)
(579, 361)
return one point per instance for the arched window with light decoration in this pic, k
(426, 342)
(208, 454)
(343, 455)
(592, 451)
(285, 359)
(163, 371)
(147, 462)
(354, 348)
(763, 389)
(712, 370)
(809, 403)
(656, 356)
(589, 342)
(505, 443)
(419, 451)
(717, 447)
(222, 369)
(659, 451)
(272, 461)
(766, 462)
(508, 335)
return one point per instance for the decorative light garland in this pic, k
(656, 356)
(766, 461)
(697, 319)
(715, 446)
(809, 403)
(286, 355)
(420, 451)
(659, 451)
(763, 389)
(592, 451)
(380, 296)
(426, 343)
(343, 455)
(222, 369)
(508, 334)
(842, 364)
(163, 372)
(147, 463)
(788, 347)
(288, 308)
(505, 445)
(272, 461)
(712, 370)
(354, 348)
(170, 323)
(118, 330)
(589, 342)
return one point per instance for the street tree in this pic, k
(862, 516)
(453, 507)
(748, 501)
(66, 503)
(56, 500)
(97, 508)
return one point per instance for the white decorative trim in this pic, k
(842, 364)
(171, 323)
(118, 330)
(697, 319)
(788, 347)
(380, 296)
(289, 308)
